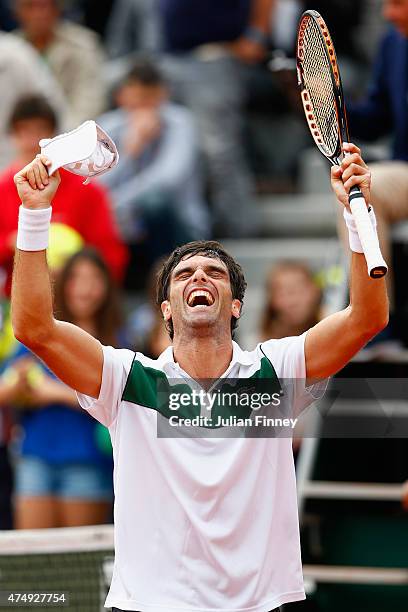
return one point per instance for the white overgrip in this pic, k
(376, 265)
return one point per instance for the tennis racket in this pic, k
(323, 103)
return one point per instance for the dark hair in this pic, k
(209, 248)
(33, 107)
(108, 318)
(144, 71)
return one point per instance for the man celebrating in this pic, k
(200, 523)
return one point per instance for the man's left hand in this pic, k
(353, 171)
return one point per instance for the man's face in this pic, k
(37, 17)
(200, 299)
(137, 97)
(396, 11)
(26, 134)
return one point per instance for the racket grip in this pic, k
(377, 268)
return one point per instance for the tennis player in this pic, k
(201, 523)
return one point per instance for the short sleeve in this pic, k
(116, 368)
(287, 356)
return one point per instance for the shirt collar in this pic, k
(238, 356)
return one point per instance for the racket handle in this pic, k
(377, 268)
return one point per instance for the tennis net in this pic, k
(72, 564)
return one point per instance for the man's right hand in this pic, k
(35, 188)
(71, 353)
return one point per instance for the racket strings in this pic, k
(318, 82)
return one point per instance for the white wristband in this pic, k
(33, 229)
(354, 239)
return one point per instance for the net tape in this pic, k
(76, 561)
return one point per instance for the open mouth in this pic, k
(200, 297)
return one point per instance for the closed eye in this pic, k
(182, 275)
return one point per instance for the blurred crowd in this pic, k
(201, 101)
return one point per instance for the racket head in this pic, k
(320, 84)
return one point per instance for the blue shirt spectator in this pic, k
(64, 470)
(385, 109)
(158, 148)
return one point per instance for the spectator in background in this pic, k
(384, 112)
(63, 475)
(293, 305)
(157, 183)
(21, 73)
(293, 301)
(208, 45)
(72, 52)
(86, 209)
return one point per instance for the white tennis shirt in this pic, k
(201, 524)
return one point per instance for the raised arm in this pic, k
(72, 354)
(334, 341)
